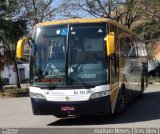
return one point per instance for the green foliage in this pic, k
(149, 30)
(11, 30)
(6, 6)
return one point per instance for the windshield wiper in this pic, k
(81, 79)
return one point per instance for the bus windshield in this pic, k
(86, 55)
(65, 55)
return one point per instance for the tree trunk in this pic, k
(1, 87)
(1, 84)
(17, 74)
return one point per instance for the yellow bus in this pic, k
(84, 67)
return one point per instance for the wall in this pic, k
(9, 72)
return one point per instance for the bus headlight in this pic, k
(37, 95)
(99, 94)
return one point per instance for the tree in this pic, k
(15, 16)
(153, 51)
(35, 11)
(149, 30)
(125, 12)
(10, 31)
(151, 10)
(94, 8)
(128, 12)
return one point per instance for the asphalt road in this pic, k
(145, 112)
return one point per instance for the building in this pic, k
(9, 74)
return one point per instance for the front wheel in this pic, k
(121, 102)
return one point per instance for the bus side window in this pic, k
(132, 51)
(141, 51)
(122, 51)
(122, 47)
(115, 57)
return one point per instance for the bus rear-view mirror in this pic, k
(110, 46)
(20, 47)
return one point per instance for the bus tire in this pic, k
(142, 88)
(121, 103)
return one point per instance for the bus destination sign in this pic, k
(54, 80)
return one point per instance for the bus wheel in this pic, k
(142, 88)
(121, 102)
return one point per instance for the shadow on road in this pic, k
(145, 109)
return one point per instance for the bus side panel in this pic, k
(131, 63)
(114, 67)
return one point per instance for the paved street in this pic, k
(145, 112)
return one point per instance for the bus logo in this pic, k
(67, 98)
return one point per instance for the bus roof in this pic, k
(72, 21)
(86, 20)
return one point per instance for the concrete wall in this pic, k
(9, 73)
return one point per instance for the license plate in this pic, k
(67, 108)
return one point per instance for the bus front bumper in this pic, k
(99, 106)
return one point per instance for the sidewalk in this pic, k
(26, 85)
